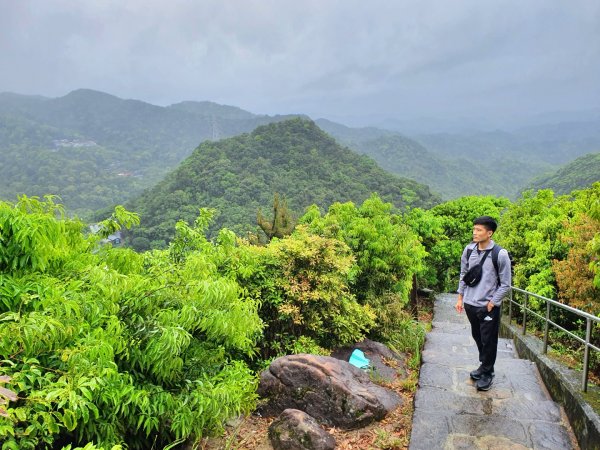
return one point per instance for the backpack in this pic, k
(495, 252)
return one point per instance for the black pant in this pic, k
(484, 329)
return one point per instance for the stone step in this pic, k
(517, 413)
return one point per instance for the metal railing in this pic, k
(547, 321)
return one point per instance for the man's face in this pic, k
(481, 233)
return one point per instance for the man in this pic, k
(482, 301)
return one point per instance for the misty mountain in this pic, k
(94, 149)
(454, 166)
(487, 162)
(579, 174)
(169, 133)
(211, 109)
(561, 142)
(468, 124)
(352, 136)
(551, 143)
(395, 153)
(499, 161)
(239, 175)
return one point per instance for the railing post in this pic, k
(526, 297)
(510, 302)
(546, 327)
(591, 320)
(586, 354)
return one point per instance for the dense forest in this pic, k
(579, 174)
(102, 346)
(159, 342)
(494, 163)
(240, 175)
(95, 150)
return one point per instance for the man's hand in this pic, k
(459, 304)
(490, 306)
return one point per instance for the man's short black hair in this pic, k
(487, 222)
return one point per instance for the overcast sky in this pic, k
(336, 59)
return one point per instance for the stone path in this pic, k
(517, 413)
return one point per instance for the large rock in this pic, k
(332, 391)
(296, 430)
(385, 363)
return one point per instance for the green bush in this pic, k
(302, 283)
(531, 229)
(387, 254)
(107, 347)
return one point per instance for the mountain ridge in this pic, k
(138, 143)
(239, 175)
(578, 174)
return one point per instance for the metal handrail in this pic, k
(549, 303)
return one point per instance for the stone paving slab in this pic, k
(517, 413)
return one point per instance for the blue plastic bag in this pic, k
(358, 359)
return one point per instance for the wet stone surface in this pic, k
(517, 413)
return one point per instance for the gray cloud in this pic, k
(325, 58)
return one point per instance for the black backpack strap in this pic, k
(485, 254)
(469, 251)
(495, 252)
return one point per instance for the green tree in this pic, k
(594, 245)
(531, 230)
(575, 274)
(388, 253)
(282, 223)
(302, 282)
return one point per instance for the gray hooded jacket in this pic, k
(488, 288)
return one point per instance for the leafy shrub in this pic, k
(553, 241)
(307, 345)
(574, 274)
(106, 347)
(302, 282)
(388, 253)
(531, 230)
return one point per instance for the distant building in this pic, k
(115, 239)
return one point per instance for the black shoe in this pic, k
(476, 374)
(485, 382)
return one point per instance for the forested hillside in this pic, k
(507, 161)
(237, 176)
(579, 174)
(397, 154)
(493, 163)
(452, 165)
(40, 159)
(95, 150)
